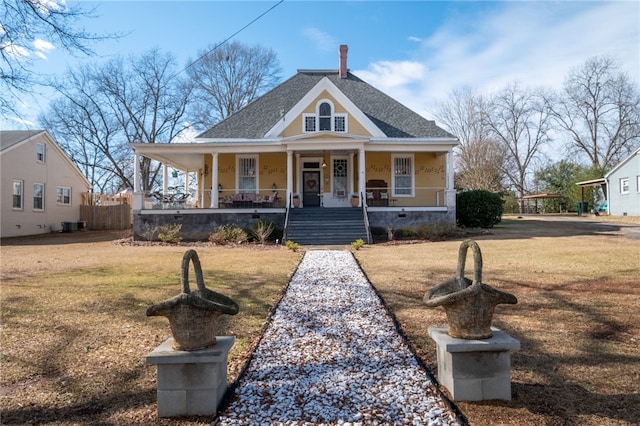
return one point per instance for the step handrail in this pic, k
(365, 214)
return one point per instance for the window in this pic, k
(17, 194)
(638, 183)
(340, 177)
(325, 119)
(247, 174)
(324, 115)
(310, 123)
(63, 195)
(40, 152)
(38, 196)
(624, 185)
(403, 176)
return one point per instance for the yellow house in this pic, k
(323, 139)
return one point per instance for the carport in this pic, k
(598, 207)
(536, 197)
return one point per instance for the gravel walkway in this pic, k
(331, 356)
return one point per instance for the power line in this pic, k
(231, 36)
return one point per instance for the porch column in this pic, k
(165, 179)
(289, 178)
(215, 198)
(450, 192)
(136, 173)
(138, 194)
(361, 175)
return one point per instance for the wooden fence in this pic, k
(107, 212)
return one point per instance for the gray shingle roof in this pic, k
(9, 138)
(258, 117)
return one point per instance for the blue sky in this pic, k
(416, 51)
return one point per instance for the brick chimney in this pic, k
(342, 71)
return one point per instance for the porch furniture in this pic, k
(377, 195)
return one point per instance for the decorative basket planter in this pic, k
(193, 316)
(469, 305)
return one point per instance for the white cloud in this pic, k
(536, 43)
(42, 47)
(414, 38)
(321, 40)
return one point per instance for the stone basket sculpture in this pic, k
(469, 305)
(193, 316)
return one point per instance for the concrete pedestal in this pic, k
(191, 382)
(475, 370)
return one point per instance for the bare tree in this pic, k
(228, 77)
(600, 109)
(520, 121)
(104, 108)
(28, 28)
(478, 157)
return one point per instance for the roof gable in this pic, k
(311, 97)
(381, 114)
(622, 163)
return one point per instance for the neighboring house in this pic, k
(623, 186)
(41, 187)
(323, 138)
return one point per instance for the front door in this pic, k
(311, 188)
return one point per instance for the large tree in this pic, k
(518, 118)
(28, 29)
(227, 77)
(105, 107)
(478, 157)
(599, 107)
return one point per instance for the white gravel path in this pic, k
(331, 356)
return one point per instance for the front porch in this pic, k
(396, 189)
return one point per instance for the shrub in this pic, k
(170, 233)
(263, 230)
(357, 243)
(291, 245)
(437, 230)
(478, 209)
(228, 234)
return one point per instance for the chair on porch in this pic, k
(377, 195)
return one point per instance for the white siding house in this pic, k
(41, 187)
(623, 186)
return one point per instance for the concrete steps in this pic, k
(326, 226)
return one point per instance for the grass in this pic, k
(74, 331)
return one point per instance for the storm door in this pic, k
(311, 188)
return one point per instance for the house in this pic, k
(321, 139)
(623, 186)
(41, 187)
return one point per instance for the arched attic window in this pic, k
(324, 116)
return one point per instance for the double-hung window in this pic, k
(38, 196)
(63, 195)
(247, 174)
(624, 185)
(403, 176)
(41, 150)
(18, 189)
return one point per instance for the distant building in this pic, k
(41, 187)
(623, 186)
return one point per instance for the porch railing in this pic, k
(270, 198)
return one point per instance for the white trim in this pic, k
(21, 182)
(412, 174)
(62, 203)
(256, 157)
(33, 197)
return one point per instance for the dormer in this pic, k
(325, 119)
